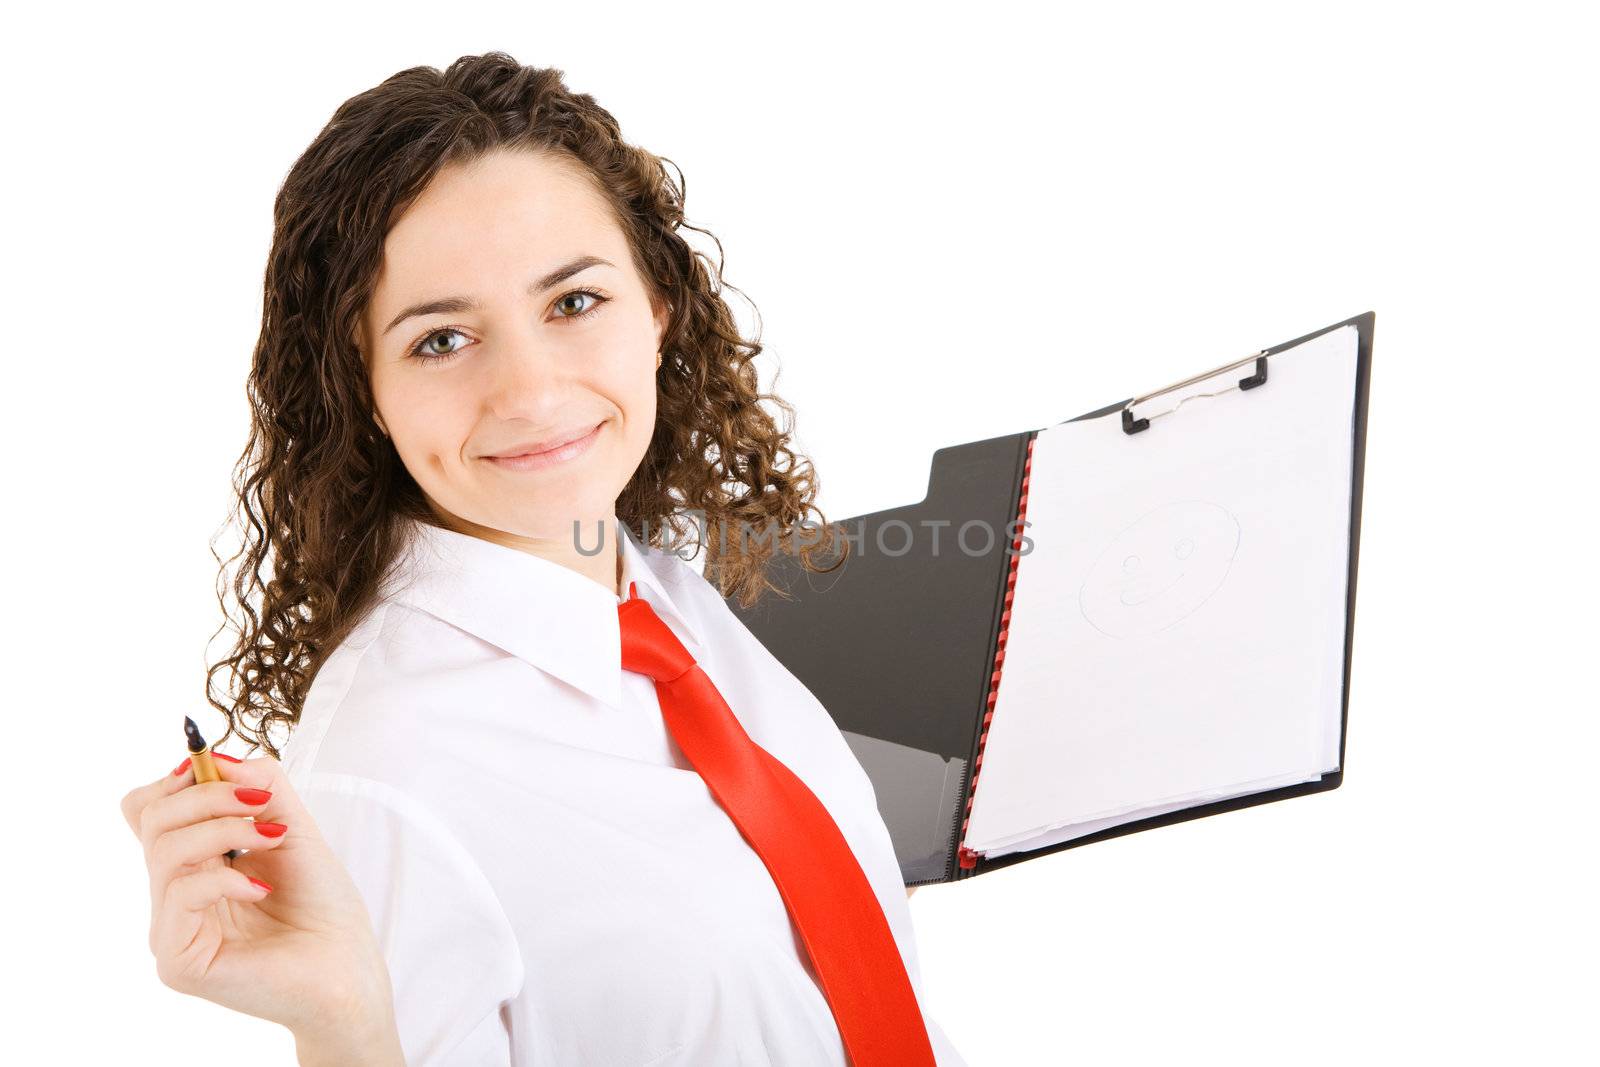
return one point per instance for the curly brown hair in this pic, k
(322, 490)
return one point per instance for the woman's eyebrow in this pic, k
(451, 305)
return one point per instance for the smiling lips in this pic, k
(547, 445)
(540, 454)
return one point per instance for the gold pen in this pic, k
(205, 767)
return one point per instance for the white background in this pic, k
(956, 223)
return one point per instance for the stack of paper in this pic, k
(1177, 633)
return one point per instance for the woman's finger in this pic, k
(189, 846)
(181, 912)
(198, 803)
(155, 809)
(136, 800)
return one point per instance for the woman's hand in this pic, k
(301, 953)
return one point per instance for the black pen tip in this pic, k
(192, 732)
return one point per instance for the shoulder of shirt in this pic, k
(363, 686)
(381, 832)
(402, 809)
(329, 688)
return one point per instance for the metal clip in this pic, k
(1133, 425)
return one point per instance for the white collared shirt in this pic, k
(550, 880)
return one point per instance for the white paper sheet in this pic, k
(1177, 633)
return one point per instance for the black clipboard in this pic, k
(908, 649)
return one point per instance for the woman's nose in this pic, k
(526, 365)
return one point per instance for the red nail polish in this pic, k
(247, 795)
(259, 882)
(180, 768)
(270, 829)
(230, 759)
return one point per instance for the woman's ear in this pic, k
(663, 315)
(379, 420)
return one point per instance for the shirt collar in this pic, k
(539, 611)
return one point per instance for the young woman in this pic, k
(492, 374)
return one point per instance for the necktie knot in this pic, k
(648, 645)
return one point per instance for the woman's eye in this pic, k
(566, 302)
(428, 350)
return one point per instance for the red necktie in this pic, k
(828, 896)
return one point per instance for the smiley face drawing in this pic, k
(1160, 569)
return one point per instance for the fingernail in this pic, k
(260, 883)
(247, 795)
(270, 829)
(180, 768)
(230, 759)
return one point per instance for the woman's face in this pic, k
(507, 317)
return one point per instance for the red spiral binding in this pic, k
(967, 858)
